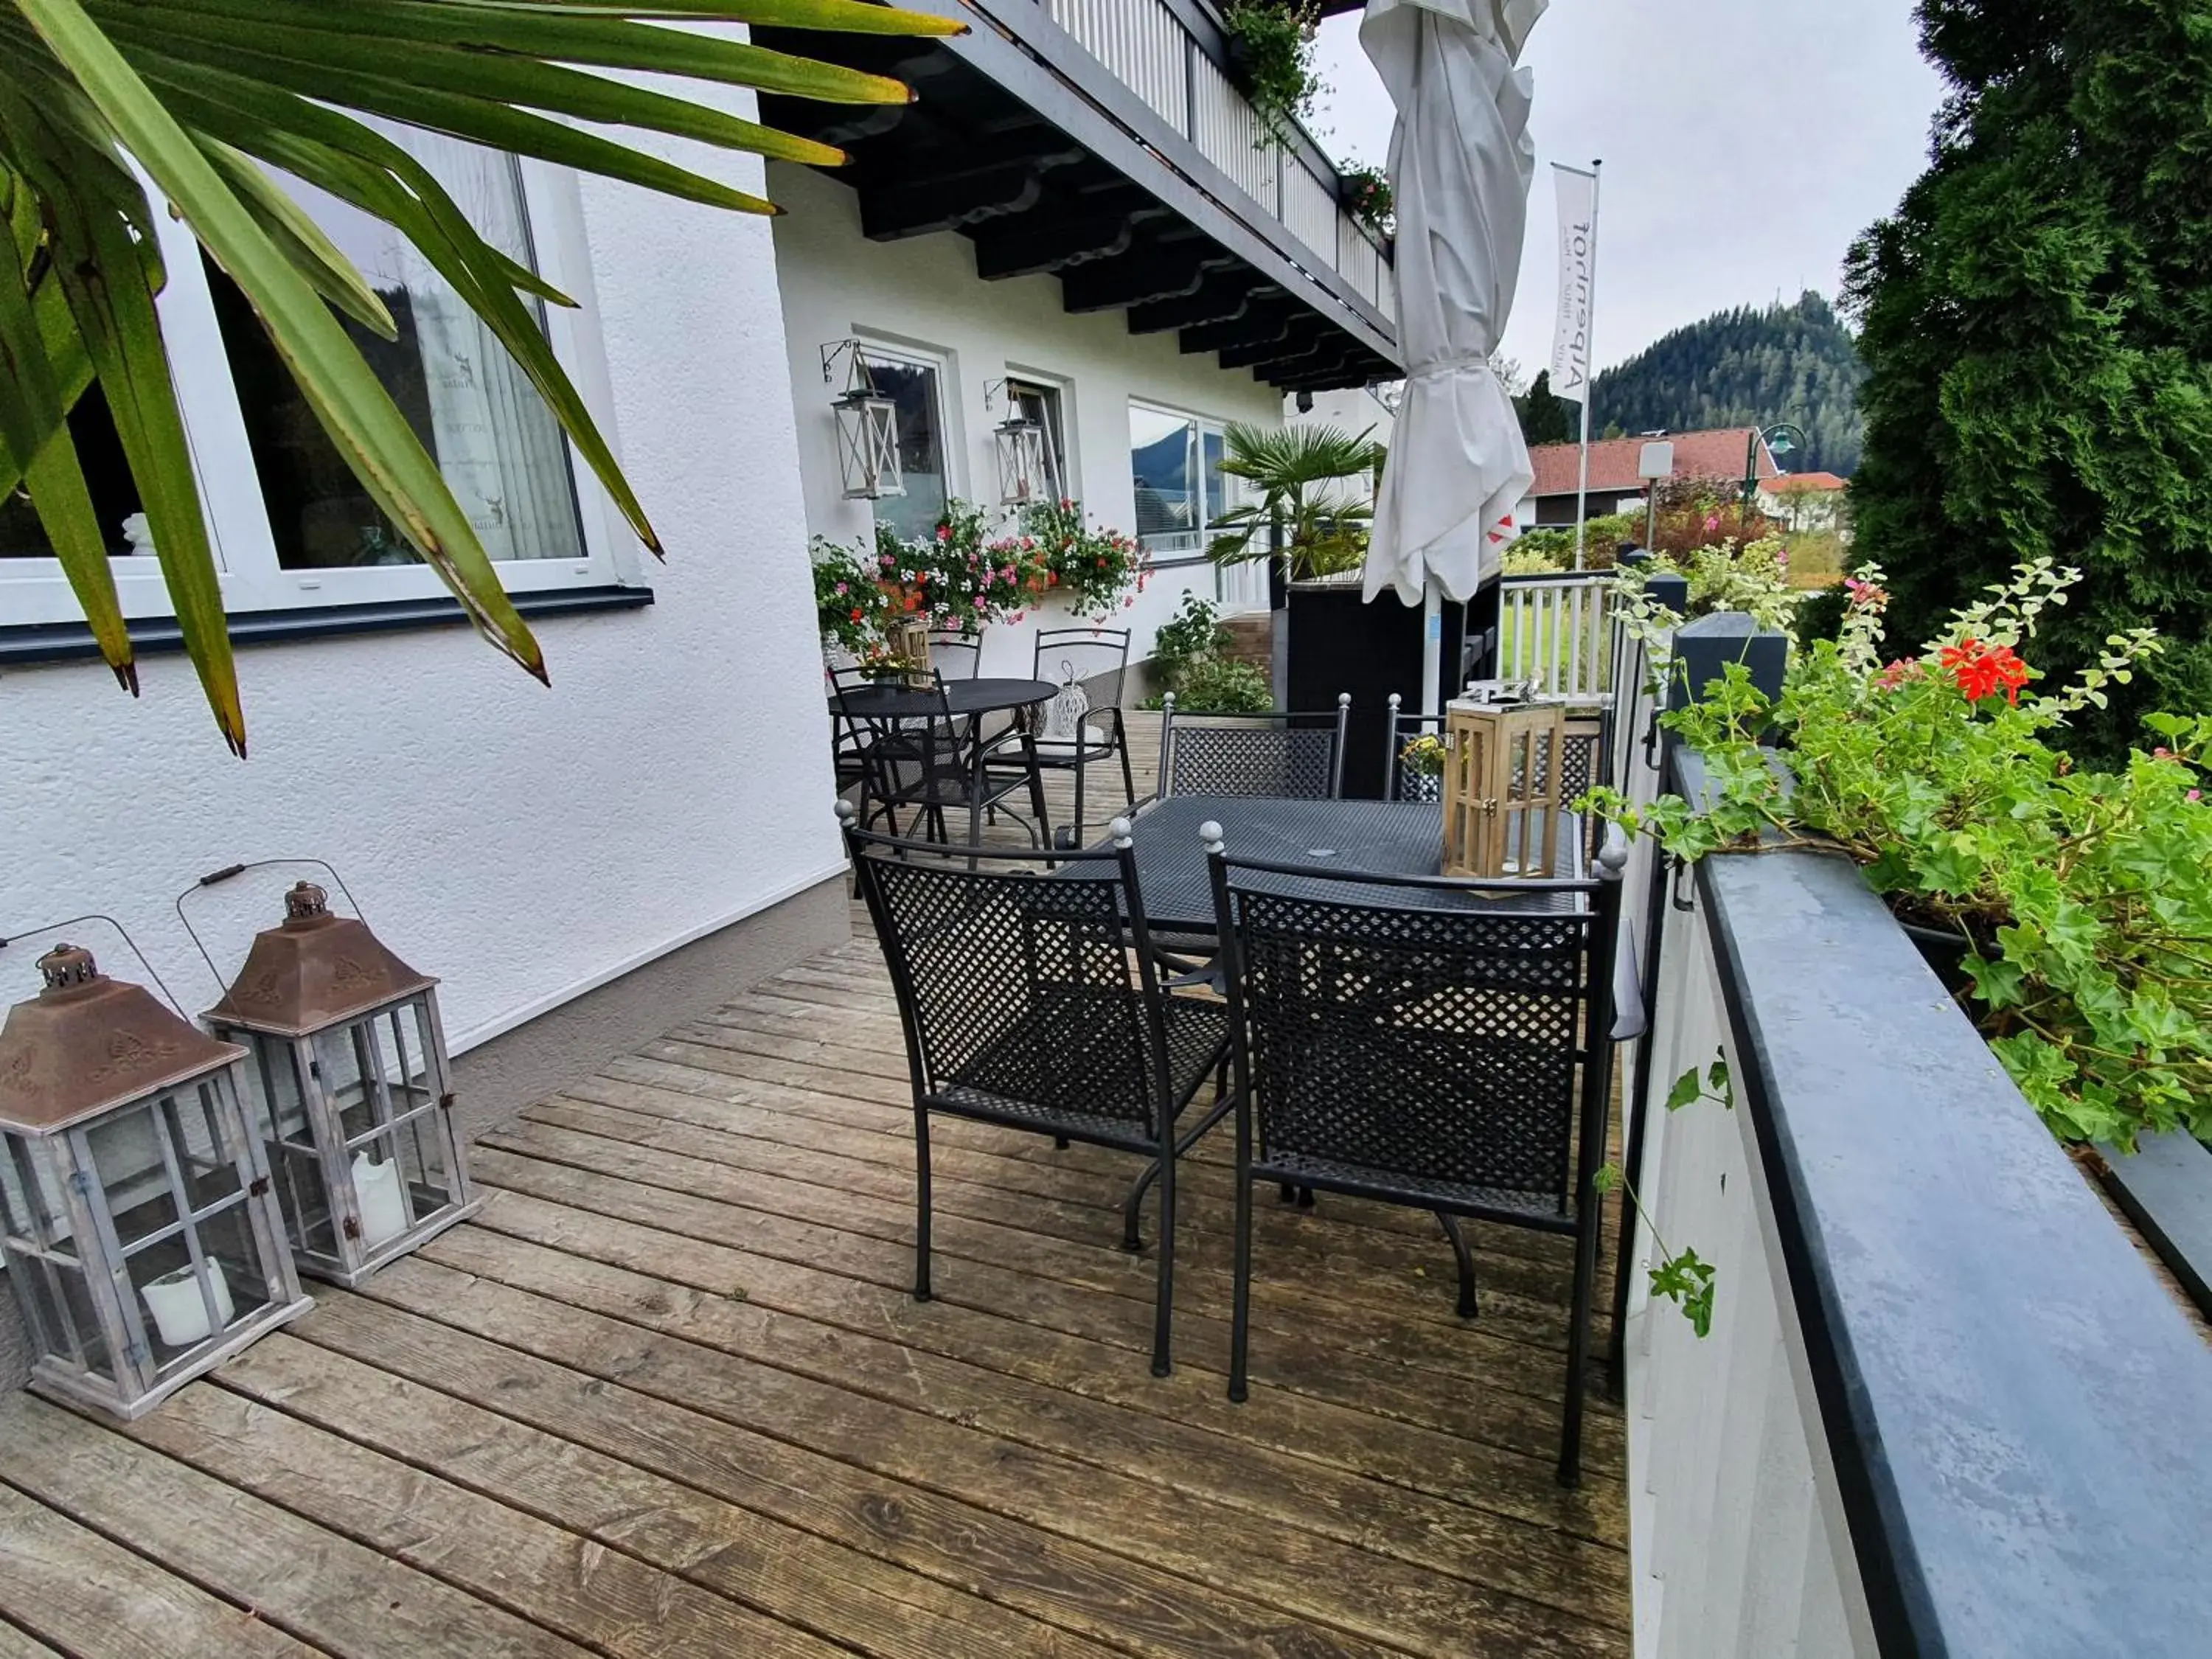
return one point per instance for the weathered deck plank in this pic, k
(668, 1395)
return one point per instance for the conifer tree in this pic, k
(2037, 323)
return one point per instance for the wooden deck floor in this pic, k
(667, 1396)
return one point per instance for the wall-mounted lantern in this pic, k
(1024, 451)
(348, 1073)
(136, 1214)
(867, 426)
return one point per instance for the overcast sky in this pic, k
(1746, 143)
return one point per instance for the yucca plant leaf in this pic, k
(203, 95)
(348, 400)
(113, 297)
(302, 239)
(559, 35)
(478, 120)
(34, 433)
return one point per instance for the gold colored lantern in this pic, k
(136, 1215)
(1501, 792)
(349, 1075)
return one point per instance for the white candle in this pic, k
(383, 1207)
(179, 1311)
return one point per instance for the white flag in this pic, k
(1570, 341)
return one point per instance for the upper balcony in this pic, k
(1108, 142)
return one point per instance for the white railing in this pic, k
(1147, 47)
(1242, 588)
(1556, 632)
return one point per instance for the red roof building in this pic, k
(1615, 476)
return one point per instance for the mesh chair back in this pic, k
(1090, 656)
(1018, 991)
(1401, 780)
(1421, 1052)
(901, 739)
(956, 656)
(1287, 757)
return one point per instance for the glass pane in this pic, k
(381, 1179)
(178, 1302)
(80, 1324)
(429, 1171)
(466, 398)
(914, 388)
(1160, 468)
(353, 1068)
(205, 1156)
(273, 1095)
(1040, 403)
(31, 1208)
(409, 1074)
(1216, 499)
(106, 476)
(126, 1153)
(305, 1200)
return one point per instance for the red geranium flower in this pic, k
(1982, 671)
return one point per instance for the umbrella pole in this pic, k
(1432, 650)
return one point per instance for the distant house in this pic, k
(1805, 501)
(1616, 482)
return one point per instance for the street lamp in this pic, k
(1778, 441)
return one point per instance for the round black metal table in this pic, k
(891, 700)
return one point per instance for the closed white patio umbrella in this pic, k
(1461, 164)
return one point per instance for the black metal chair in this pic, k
(956, 655)
(924, 757)
(1411, 1041)
(1085, 657)
(1401, 781)
(1294, 757)
(1024, 1005)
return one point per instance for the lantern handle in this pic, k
(216, 877)
(121, 932)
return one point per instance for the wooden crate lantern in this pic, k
(908, 639)
(1502, 787)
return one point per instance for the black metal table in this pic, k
(893, 701)
(1388, 837)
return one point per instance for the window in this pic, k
(290, 525)
(1175, 464)
(467, 399)
(1032, 400)
(916, 386)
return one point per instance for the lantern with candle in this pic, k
(1501, 785)
(137, 1218)
(348, 1076)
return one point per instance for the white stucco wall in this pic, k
(526, 844)
(923, 292)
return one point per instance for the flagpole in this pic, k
(1590, 382)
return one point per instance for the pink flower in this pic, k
(944, 532)
(1903, 669)
(840, 589)
(1712, 522)
(2194, 795)
(980, 602)
(884, 558)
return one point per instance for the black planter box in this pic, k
(1339, 643)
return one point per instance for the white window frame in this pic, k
(952, 438)
(33, 591)
(1203, 427)
(1071, 469)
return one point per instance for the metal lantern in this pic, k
(868, 427)
(136, 1214)
(347, 1073)
(1502, 787)
(1024, 460)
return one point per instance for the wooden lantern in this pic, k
(1502, 787)
(908, 640)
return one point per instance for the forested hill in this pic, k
(1743, 368)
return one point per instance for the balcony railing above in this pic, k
(1174, 55)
